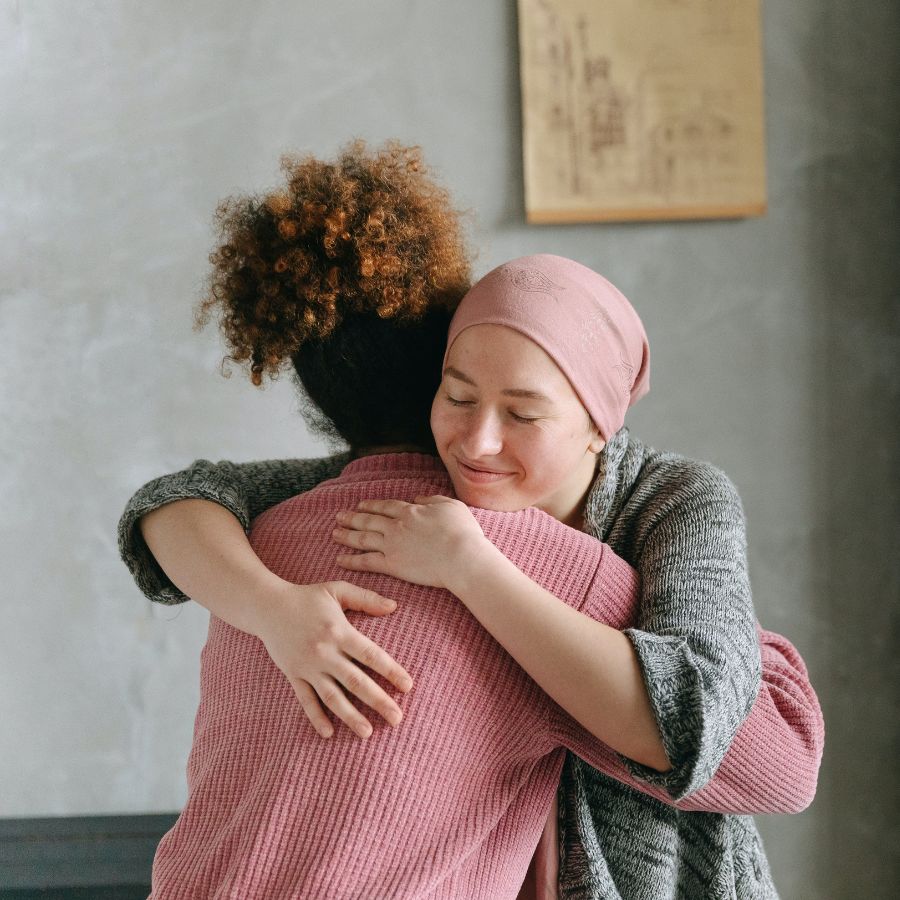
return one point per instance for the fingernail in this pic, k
(394, 716)
(365, 731)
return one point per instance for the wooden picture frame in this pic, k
(642, 109)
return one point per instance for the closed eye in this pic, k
(530, 420)
(455, 402)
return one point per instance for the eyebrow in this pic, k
(508, 392)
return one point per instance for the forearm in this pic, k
(695, 629)
(244, 489)
(588, 668)
(203, 549)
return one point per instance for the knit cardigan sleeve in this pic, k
(696, 636)
(772, 765)
(773, 762)
(245, 489)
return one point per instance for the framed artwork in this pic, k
(642, 109)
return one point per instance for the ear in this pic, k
(597, 443)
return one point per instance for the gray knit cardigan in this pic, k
(681, 525)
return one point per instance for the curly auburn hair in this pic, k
(368, 235)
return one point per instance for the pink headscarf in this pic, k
(582, 322)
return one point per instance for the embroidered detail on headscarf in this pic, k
(593, 327)
(534, 281)
(625, 371)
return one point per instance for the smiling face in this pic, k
(509, 427)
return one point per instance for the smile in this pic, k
(478, 475)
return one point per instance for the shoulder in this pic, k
(668, 494)
(314, 469)
(530, 528)
(671, 478)
(563, 560)
(306, 476)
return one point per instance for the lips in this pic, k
(479, 475)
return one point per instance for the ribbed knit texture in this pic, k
(679, 522)
(451, 802)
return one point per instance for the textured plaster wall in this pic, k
(775, 348)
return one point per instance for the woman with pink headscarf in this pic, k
(544, 357)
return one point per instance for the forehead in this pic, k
(499, 357)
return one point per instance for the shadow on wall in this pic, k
(855, 216)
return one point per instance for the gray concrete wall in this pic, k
(775, 351)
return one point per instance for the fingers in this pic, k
(352, 596)
(339, 669)
(360, 685)
(336, 700)
(361, 531)
(311, 706)
(363, 562)
(358, 540)
(358, 646)
(363, 521)
(373, 657)
(390, 508)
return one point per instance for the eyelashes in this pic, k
(525, 420)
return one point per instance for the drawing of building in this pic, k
(692, 153)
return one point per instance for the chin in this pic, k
(485, 500)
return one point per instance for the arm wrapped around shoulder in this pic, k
(244, 489)
(696, 635)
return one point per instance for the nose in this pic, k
(482, 436)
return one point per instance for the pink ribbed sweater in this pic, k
(451, 803)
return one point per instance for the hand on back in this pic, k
(307, 635)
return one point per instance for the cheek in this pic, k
(549, 458)
(546, 466)
(440, 426)
(446, 430)
(538, 453)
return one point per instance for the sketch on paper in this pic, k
(642, 109)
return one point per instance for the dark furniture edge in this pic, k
(79, 852)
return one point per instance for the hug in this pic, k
(560, 685)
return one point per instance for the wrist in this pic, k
(266, 592)
(476, 558)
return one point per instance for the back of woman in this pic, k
(451, 803)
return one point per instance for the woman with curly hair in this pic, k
(351, 275)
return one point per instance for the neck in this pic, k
(390, 448)
(571, 508)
